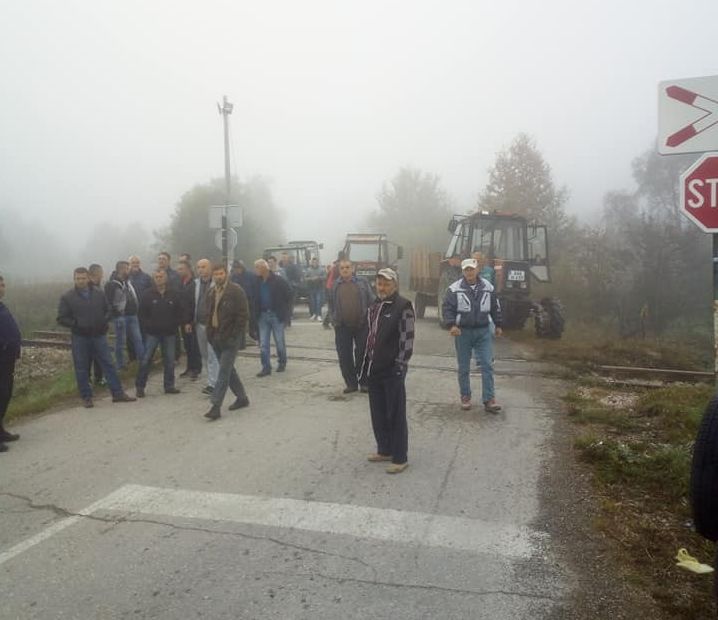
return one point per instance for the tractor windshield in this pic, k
(364, 252)
(500, 238)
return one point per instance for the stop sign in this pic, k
(699, 192)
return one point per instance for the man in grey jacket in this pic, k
(202, 286)
(352, 297)
(124, 305)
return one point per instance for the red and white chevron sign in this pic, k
(688, 116)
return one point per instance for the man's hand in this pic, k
(499, 332)
(455, 331)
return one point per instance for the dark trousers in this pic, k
(227, 376)
(350, 343)
(167, 346)
(7, 378)
(191, 347)
(387, 403)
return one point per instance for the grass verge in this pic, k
(639, 447)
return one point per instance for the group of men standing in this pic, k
(374, 333)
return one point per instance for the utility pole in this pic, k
(225, 110)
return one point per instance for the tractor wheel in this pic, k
(704, 474)
(420, 305)
(514, 314)
(549, 319)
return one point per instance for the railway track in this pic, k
(629, 375)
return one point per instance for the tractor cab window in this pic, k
(457, 241)
(502, 239)
(538, 252)
(365, 252)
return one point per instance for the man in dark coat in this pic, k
(248, 281)
(272, 303)
(189, 335)
(84, 309)
(10, 341)
(228, 313)
(162, 311)
(389, 346)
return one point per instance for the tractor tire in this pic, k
(514, 314)
(549, 318)
(420, 305)
(704, 474)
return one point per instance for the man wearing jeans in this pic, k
(162, 311)
(122, 297)
(84, 309)
(202, 286)
(228, 317)
(272, 302)
(468, 305)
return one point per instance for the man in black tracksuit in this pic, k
(162, 311)
(389, 346)
(10, 341)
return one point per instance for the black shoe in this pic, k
(171, 390)
(123, 398)
(264, 372)
(140, 392)
(208, 389)
(6, 436)
(239, 403)
(87, 403)
(281, 367)
(3, 447)
(186, 373)
(350, 389)
(363, 389)
(213, 413)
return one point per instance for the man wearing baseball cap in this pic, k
(389, 345)
(467, 306)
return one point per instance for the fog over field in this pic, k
(108, 112)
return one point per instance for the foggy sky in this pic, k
(108, 109)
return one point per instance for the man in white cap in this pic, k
(467, 307)
(389, 345)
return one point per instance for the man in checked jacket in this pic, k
(389, 345)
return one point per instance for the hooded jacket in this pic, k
(467, 307)
(121, 296)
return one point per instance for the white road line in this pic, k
(62, 524)
(359, 521)
(385, 524)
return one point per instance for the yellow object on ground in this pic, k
(687, 561)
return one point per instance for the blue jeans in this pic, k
(227, 376)
(127, 327)
(269, 323)
(167, 345)
(84, 350)
(481, 340)
(316, 301)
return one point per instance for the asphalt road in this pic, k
(147, 510)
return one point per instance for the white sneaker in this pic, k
(311, 317)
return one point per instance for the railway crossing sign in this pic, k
(688, 115)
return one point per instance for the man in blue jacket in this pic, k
(10, 341)
(272, 305)
(467, 306)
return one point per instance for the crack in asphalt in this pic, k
(62, 512)
(418, 586)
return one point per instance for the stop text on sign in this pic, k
(697, 193)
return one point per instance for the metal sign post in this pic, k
(225, 110)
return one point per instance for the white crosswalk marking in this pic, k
(385, 524)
